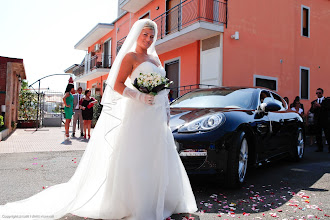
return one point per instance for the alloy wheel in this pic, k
(243, 159)
(300, 145)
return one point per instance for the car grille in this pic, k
(192, 163)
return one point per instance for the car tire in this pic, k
(298, 146)
(237, 161)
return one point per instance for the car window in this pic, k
(278, 100)
(223, 98)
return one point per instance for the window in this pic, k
(146, 15)
(305, 21)
(304, 83)
(266, 81)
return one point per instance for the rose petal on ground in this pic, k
(273, 214)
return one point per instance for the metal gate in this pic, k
(51, 108)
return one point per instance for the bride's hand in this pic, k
(147, 99)
(142, 97)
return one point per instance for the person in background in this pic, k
(68, 107)
(311, 127)
(296, 106)
(77, 112)
(321, 107)
(170, 96)
(87, 113)
(297, 99)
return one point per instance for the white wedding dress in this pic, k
(130, 170)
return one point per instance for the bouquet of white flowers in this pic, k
(151, 83)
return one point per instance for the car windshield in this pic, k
(222, 98)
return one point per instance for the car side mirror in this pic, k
(272, 107)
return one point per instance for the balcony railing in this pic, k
(186, 13)
(95, 62)
(120, 43)
(181, 90)
(79, 70)
(189, 12)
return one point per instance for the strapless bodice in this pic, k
(147, 67)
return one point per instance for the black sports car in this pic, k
(223, 130)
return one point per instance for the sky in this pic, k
(43, 33)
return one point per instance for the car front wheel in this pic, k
(237, 161)
(298, 146)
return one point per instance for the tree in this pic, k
(28, 103)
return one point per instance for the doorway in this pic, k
(172, 73)
(172, 16)
(107, 54)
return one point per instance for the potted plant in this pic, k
(2, 127)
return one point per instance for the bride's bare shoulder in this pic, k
(131, 55)
(129, 58)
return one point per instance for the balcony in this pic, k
(93, 35)
(188, 22)
(92, 67)
(133, 5)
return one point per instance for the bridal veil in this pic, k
(91, 173)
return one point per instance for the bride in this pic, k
(130, 168)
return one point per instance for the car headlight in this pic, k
(205, 123)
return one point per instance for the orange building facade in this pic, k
(277, 44)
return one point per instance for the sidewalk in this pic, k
(42, 140)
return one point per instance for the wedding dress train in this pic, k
(129, 170)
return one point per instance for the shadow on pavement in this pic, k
(266, 188)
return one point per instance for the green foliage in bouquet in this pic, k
(151, 83)
(28, 103)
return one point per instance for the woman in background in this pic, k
(87, 112)
(296, 106)
(68, 108)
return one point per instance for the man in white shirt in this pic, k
(321, 109)
(77, 112)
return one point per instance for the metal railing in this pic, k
(186, 13)
(79, 70)
(188, 88)
(189, 12)
(120, 43)
(94, 62)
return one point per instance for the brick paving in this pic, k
(42, 140)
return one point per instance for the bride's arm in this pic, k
(124, 71)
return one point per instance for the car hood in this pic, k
(181, 116)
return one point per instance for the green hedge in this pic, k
(1, 121)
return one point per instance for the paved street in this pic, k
(33, 160)
(42, 140)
